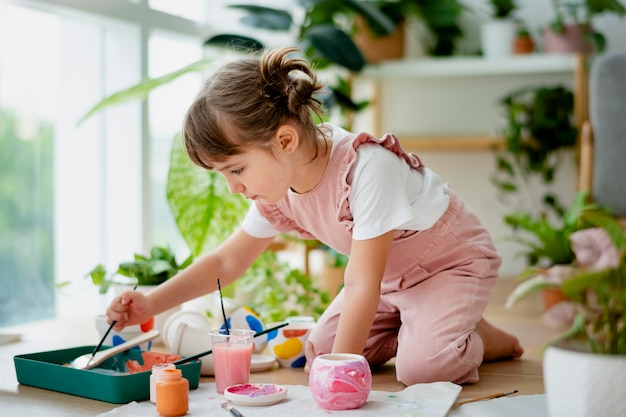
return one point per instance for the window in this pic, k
(74, 196)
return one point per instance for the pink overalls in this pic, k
(436, 284)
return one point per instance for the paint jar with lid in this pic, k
(172, 394)
(156, 375)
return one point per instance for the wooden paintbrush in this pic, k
(486, 397)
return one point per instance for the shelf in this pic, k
(472, 66)
(437, 143)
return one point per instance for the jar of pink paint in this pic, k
(340, 381)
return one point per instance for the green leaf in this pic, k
(578, 327)
(265, 17)
(379, 23)
(205, 211)
(142, 90)
(336, 46)
(527, 287)
(240, 43)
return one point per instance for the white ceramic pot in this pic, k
(497, 38)
(583, 384)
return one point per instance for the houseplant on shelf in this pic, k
(584, 367)
(498, 33)
(572, 28)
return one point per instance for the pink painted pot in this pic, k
(572, 40)
(340, 381)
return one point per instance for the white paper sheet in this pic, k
(518, 406)
(423, 400)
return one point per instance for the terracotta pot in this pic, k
(572, 40)
(551, 296)
(379, 49)
(523, 45)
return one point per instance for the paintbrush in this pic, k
(208, 352)
(219, 288)
(232, 410)
(486, 397)
(97, 348)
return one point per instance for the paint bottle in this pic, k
(172, 394)
(156, 375)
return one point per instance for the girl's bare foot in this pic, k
(498, 344)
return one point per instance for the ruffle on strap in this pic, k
(390, 142)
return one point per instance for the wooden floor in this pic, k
(524, 374)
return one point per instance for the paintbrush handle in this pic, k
(208, 352)
(486, 397)
(97, 348)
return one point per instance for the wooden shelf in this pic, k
(460, 143)
(472, 66)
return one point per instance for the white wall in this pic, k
(460, 106)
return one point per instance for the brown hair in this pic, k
(243, 104)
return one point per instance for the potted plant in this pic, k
(547, 241)
(585, 365)
(523, 42)
(143, 270)
(539, 127)
(498, 33)
(142, 273)
(324, 34)
(572, 28)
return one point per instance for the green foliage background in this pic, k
(26, 228)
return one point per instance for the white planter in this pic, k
(497, 38)
(583, 384)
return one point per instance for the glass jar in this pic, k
(172, 394)
(157, 372)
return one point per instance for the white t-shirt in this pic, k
(385, 194)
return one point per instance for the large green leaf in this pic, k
(377, 21)
(141, 90)
(205, 211)
(241, 43)
(265, 17)
(336, 46)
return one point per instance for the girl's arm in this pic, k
(227, 262)
(363, 276)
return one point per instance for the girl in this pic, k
(421, 265)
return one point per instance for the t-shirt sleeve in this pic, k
(256, 225)
(379, 201)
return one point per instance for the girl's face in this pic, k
(257, 175)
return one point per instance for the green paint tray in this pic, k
(47, 370)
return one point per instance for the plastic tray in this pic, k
(47, 370)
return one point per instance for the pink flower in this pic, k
(594, 249)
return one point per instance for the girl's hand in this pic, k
(309, 352)
(128, 308)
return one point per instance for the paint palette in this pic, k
(255, 394)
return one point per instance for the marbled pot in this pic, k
(340, 381)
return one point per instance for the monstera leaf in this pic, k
(205, 211)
